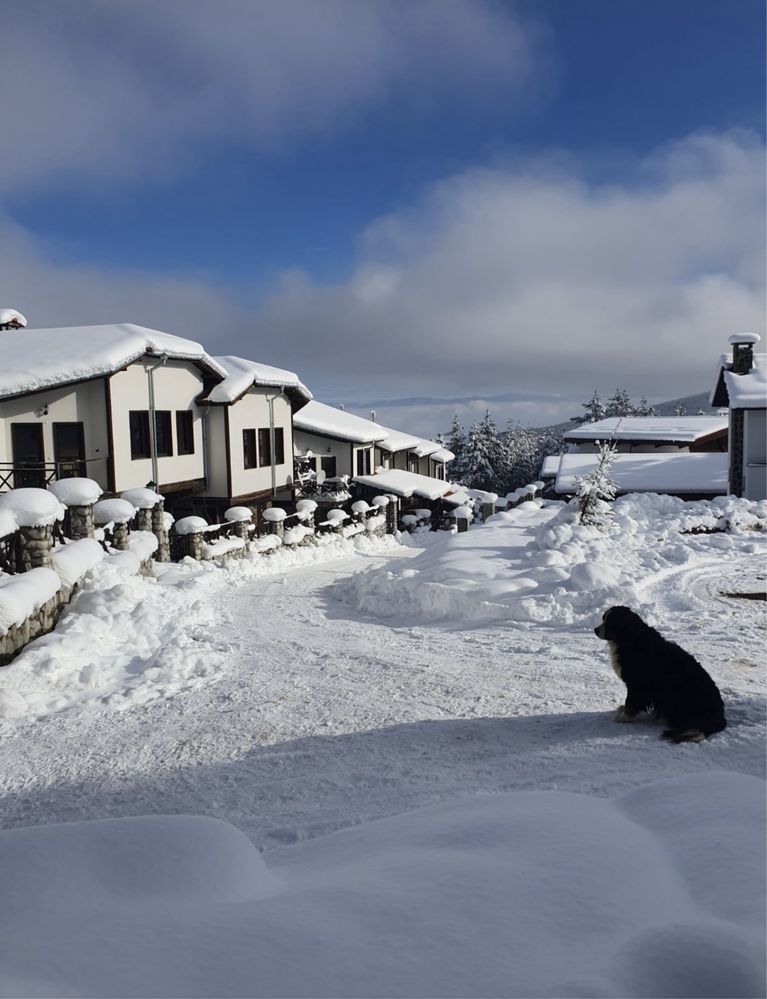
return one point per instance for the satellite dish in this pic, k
(320, 477)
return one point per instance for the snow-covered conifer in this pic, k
(597, 489)
(619, 404)
(595, 409)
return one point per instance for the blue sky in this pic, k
(302, 180)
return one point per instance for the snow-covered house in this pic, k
(250, 432)
(414, 454)
(651, 434)
(340, 443)
(118, 403)
(741, 385)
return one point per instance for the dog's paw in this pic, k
(621, 715)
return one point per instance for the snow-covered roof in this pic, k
(318, 418)
(12, 316)
(748, 391)
(242, 375)
(407, 484)
(676, 472)
(397, 440)
(425, 448)
(684, 429)
(35, 359)
(442, 454)
(550, 466)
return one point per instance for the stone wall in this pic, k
(39, 623)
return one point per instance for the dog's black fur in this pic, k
(661, 677)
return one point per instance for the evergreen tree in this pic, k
(595, 409)
(597, 489)
(457, 444)
(644, 408)
(680, 411)
(481, 455)
(619, 404)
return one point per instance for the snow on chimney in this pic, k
(743, 351)
(11, 319)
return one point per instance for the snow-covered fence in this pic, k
(524, 494)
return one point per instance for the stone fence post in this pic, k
(35, 547)
(81, 522)
(160, 531)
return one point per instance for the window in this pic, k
(328, 465)
(140, 446)
(249, 449)
(412, 462)
(264, 447)
(279, 446)
(163, 435)
(363, 461)
(69, 449)
(184, 431)
(439, 470)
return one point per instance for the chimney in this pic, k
(11, 319)
(373, 415)
(743, 352)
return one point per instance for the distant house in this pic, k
(741, 385)
(414, 454)
(250, 433)
(340, 443)
(118, 403)
(651, 434)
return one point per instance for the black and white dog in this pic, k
(661, 677)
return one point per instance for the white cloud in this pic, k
(528, 277)
(103, 90)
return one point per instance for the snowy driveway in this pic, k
(319, 717)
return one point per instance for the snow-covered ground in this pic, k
(298, 696)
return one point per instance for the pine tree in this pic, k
(481, 455)
(597, 489)
(595, 409)
(619, 404)
(644, 408)
(680, 411)
(457, 444)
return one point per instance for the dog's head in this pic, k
(619, 623)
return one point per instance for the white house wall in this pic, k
(215, 475)
(176, 386)
(81, 403)
(251, 412)
(325, 446)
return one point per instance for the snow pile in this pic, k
(222, 547)
(336, 516)
(22, 595)
(360, 506)
(381, 501)
(142, 498)
(238, 514)
(507, 895)
(76, 491)
(375, 523)
(143, 544)
(295, 535)
(537, 564)
(73, 561)
(113, 511)
(274, 515)
(12, 317)
(32, 507)
(268, 543)
(306, 506)
(191, 525)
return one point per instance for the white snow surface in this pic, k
(191, 525)
(680, 429)
(32, 507)
(527, 844)
(274, 515)
(238, 514)
(398, 440)
(113, 511)
(509, 895)
(76, 491)
(143, 544)
(8, 523)
(242, 375)
(142, 498)
(317, 417)
(684, 472)
(34, 359)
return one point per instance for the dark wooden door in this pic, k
(69, 450)
(28, 455)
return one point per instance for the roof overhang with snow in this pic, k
(651, 429)
(746, 391)
(32, 360)
(405, 484)
(702, 472)
(242, 375)
(327, 421)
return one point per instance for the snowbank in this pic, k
(75, 560)
(222, 547)
(537, 564)
(656, 893)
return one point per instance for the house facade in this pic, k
(340, 443)
(741, 385)
(117, 403)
